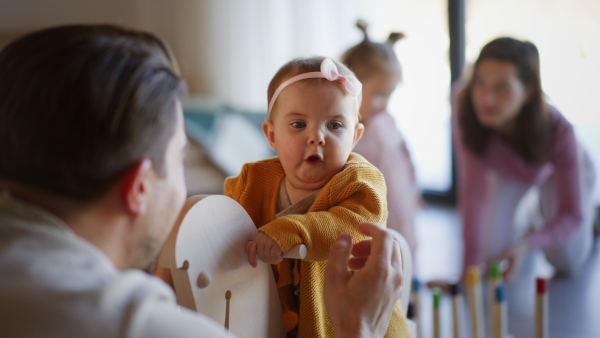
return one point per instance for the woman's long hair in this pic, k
(533, 124)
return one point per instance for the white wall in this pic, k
(179, 22)
(228, 50)
(25, 15)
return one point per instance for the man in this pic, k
(91, 181)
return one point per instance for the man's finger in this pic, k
(339, 253)
(396, 262)
(362, 249)
(396, 256)
(382, 245)
(357, 263)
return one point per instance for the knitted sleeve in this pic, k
(234, 186)
(357, 194)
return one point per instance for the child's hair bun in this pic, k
(362, 25)
(394, 36)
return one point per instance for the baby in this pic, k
(315, 189)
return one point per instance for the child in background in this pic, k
(314, 190)
(378, 69)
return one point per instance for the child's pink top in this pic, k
(562, 162)
(383, 146)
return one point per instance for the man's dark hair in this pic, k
(81, 104)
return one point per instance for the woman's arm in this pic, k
(565, 157)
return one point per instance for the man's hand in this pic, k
(360, 303)
(265, 248)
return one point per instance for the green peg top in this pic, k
(495, 271)
(437, 297)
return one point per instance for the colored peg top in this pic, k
(416, 284)
(541, 286)
(437, 297)
(454, 289)
(495, 271)
(473, 275)
(500, 293)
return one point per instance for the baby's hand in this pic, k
(265, 248)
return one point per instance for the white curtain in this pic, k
(250, 39)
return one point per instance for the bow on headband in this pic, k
(328, 71)
(350, 82)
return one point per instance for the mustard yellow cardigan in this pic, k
(357, 194)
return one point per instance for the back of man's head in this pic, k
(80, 104)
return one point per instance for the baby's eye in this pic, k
(298, 124)
(334, 125)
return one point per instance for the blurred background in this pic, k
(228, 51)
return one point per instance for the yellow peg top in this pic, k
(473, 275)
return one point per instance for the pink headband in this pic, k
(328, 71)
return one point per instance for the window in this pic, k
(421, 103)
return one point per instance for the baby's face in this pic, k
(313, 129)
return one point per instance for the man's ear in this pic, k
(135, 187)
(269, 130)
(360, 128)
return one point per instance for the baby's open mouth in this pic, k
(313, 159)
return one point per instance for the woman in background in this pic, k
(512, 148)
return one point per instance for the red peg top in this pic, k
(541, 286)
